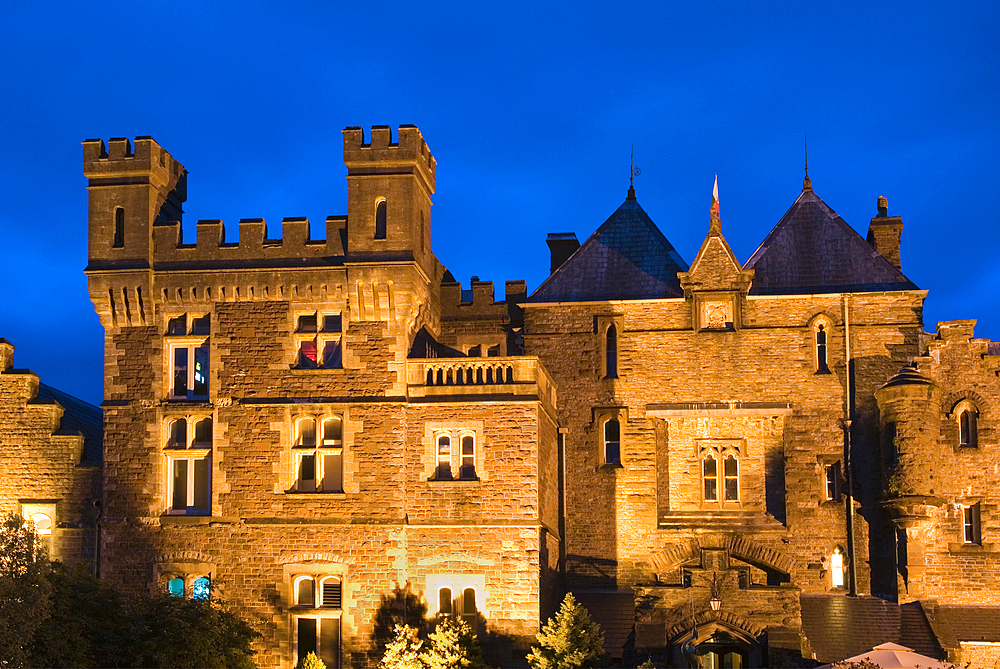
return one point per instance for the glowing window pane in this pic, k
(200, 589)
(175, 587)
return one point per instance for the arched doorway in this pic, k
(719, 644)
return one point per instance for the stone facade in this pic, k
(309, 423)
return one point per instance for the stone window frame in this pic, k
(320, 572)
(817, 324)
(971, 523)
(837, 553)
(189, 572)
(30, 509)
(319, 450)
(457, 439)
(825, 463)
(191, 451)
(455, 430)
(602, 325)
(457, 583)
(601, 417)
(966, 407)
(321, 337)
(720, 450)
(195, 334)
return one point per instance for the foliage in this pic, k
(452, 645)
(569, 640)
(25, 598)
(400, 607)
(310, 661)
(403, 651)
(648, 664)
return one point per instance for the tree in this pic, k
(403, 651)
(400, 607)
(569, 640)
(24, 590)
(452, 645)
(310, 661)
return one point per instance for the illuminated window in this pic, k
(467, 470)
(710, 478)
(837, 568)
(612, 442)
(322, 348)
(189, 371)
(821, 355)
(175, 587)
(319, 459)
(968, 430)
(200, 589)
(972, 532)
(443, 470)
(188, 452)
(42, 523)
(611, 353)
(119, 240)
(380, 220)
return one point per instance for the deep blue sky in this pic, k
(530, 111)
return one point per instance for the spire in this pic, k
(806, 183)
(715, 225)
(633, 172)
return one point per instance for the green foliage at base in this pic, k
(569, 640)
(310, 661)
(451, 645)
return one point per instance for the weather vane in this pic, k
(633, 171)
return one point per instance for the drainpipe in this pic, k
(849, 467)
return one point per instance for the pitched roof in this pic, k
(627, 258)
(839, 627)
(78, 417)
(813, 250)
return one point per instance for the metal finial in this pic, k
(633, 172)
(806, 183)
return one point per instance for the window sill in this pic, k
(971, 548)
(458, 481)
(317, 495)
(314, 370)
(823, 372)
(610, 466)
(189, 401)
(184, 519)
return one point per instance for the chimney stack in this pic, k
(561, 246)
(885, 232)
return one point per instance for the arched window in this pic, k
(332, 593)
(203, 433)
(968, 430)
(119, 241)
(305, 592)
(821, 356)
(200, 589)
(710, 478)
(611, 353)
(443, 471)
(467, 470)
(731, 478)
(42, 523)
(612, 442)
(837, 568)
(444, 602)
(469, 613)
(333, 431)
(175, 587)
(380, 219)
(177, 434)
(305, 432)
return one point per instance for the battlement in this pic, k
(254, 244)
(378, 154)
(120, 158)
(480, 299)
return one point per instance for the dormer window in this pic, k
(380, 220)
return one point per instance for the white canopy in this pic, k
(893, 656)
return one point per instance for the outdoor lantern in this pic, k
(716, 602)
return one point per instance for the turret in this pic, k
(389, 193)
(130, 188)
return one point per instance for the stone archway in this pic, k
(718, 641)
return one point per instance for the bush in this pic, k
(310, 661)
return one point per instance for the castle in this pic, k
(732, 456)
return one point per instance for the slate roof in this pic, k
(78, 417)
(615, 613)
(813, 250)
(627, 258)
(839, 627)
(970, 623)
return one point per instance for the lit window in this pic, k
(821, 356)
(323, 348)
(612, 442)
(971, 524)
(731, 478)
(837, 568)
(119, 240)
(190, 482)
(710, 478)
(319, 462)
(380, 220)
(968, 430)
(467, 470)
(175, 587)
(832, 480)
(611, 353)
(42, 523)
(189, 371)
(443, 470)
(200, 589)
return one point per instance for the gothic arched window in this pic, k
(380, 219)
